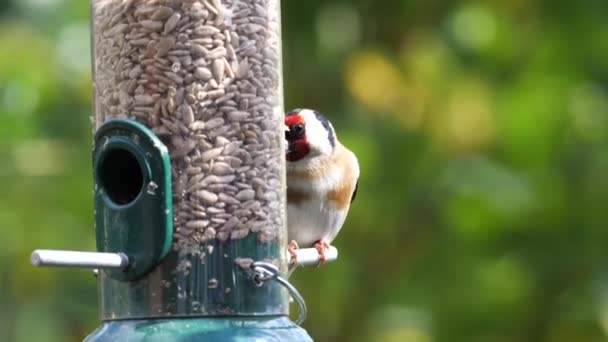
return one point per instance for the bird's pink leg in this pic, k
(291, 248)
(321, 247)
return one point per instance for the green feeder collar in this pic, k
(133, 205)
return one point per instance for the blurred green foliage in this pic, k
(482, 133)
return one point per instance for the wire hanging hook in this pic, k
(264, 271)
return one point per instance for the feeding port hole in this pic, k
(121, 176)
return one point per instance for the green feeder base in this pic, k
(233, 329)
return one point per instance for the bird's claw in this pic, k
(321, 247)
(292, 247)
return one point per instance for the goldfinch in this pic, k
(322, 180)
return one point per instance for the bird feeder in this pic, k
(189, 172)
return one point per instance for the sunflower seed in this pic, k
(210, 154)
(151, 24)
(209, 233)
(187, 114)
(206, 30)
(245, 195)
(199, 50)
(171, 23)
(206, 197)
(197, 126)
(214, 123)
(238, 115)
(218, 52)
(202, 73)
(221, 169)
(162, 13)
(197, 224)
(218, 69)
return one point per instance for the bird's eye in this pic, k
(298, 130)
(295, 132)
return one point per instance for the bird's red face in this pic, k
(297, 143)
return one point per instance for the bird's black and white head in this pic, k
(309, 134)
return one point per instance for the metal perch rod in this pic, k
(310, 256)
(47, 257)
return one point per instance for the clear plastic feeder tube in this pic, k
(206, 77)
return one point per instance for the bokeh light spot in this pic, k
(338, 28)
(40, 157)
(377, 83)
(19, 98)
(406, 334)
(470, 118)
(374, 81)
(425, 58)
(473, 27)
(506, 282)
(74, 48)
(401, 324)
(39, 4)
(588, 108)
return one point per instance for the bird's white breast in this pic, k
(315, 217)
(313, 220)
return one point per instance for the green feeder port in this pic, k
(133, 203)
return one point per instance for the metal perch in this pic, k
(46, 257)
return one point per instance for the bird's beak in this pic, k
(291, 147)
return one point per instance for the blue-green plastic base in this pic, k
(277, 328)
